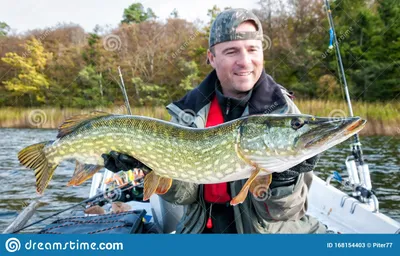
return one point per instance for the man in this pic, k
(237, 86)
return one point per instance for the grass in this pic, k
(371, 111)
(383, 118)
(51, 118)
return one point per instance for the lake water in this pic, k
(18, 184)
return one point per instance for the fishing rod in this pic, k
(123, 89)
(126, 186)
(357, 153)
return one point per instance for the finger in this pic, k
(109, 162)
(114, 154)
(122, 165)
(105, 157)
(128, 160)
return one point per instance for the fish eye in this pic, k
(297, 123)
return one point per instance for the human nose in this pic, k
(243, 59)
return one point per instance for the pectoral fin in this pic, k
(245, 189)
(83, 172)
(155, 184)
(151, 181)
(259, 187)
(163, 185)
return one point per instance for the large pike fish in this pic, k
(251, 147)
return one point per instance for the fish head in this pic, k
(322, 133)
(275, 142)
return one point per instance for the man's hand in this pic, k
(116, 162)
(289, 177)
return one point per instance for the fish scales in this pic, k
(190, 150)
(251, 146)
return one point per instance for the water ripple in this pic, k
(382, 154)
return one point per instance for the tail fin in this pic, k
(34, 157)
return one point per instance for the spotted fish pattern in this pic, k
(227, 152)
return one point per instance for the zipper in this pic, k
(228, 106)
(209, 220)
(203, 204)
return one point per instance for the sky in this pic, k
(24, 15)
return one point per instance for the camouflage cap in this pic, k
(224, 27)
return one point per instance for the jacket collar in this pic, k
(222, 99)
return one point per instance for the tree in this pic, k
(4, 29)
(31, 79)
(212, 13)
(174, 14)
(150, 14)
(151, 94)
(91, 53)
(192, 78)
(370, 49)
(90, 88)
(135, 13)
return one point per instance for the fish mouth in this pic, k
(326, 131)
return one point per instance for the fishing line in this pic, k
(357, 151)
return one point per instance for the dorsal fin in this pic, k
(74, 122)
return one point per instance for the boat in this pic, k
(344, 213)
(340, 212)
(353, 212)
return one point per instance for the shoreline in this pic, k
(372, 128)
(381, 119)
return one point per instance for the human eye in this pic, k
(230, 51)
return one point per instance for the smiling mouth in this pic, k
(243, 73)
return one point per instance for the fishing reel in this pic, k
(123, 186)
(360, 189)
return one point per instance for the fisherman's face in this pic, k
(238, 64)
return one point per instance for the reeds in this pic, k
(383, 118)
